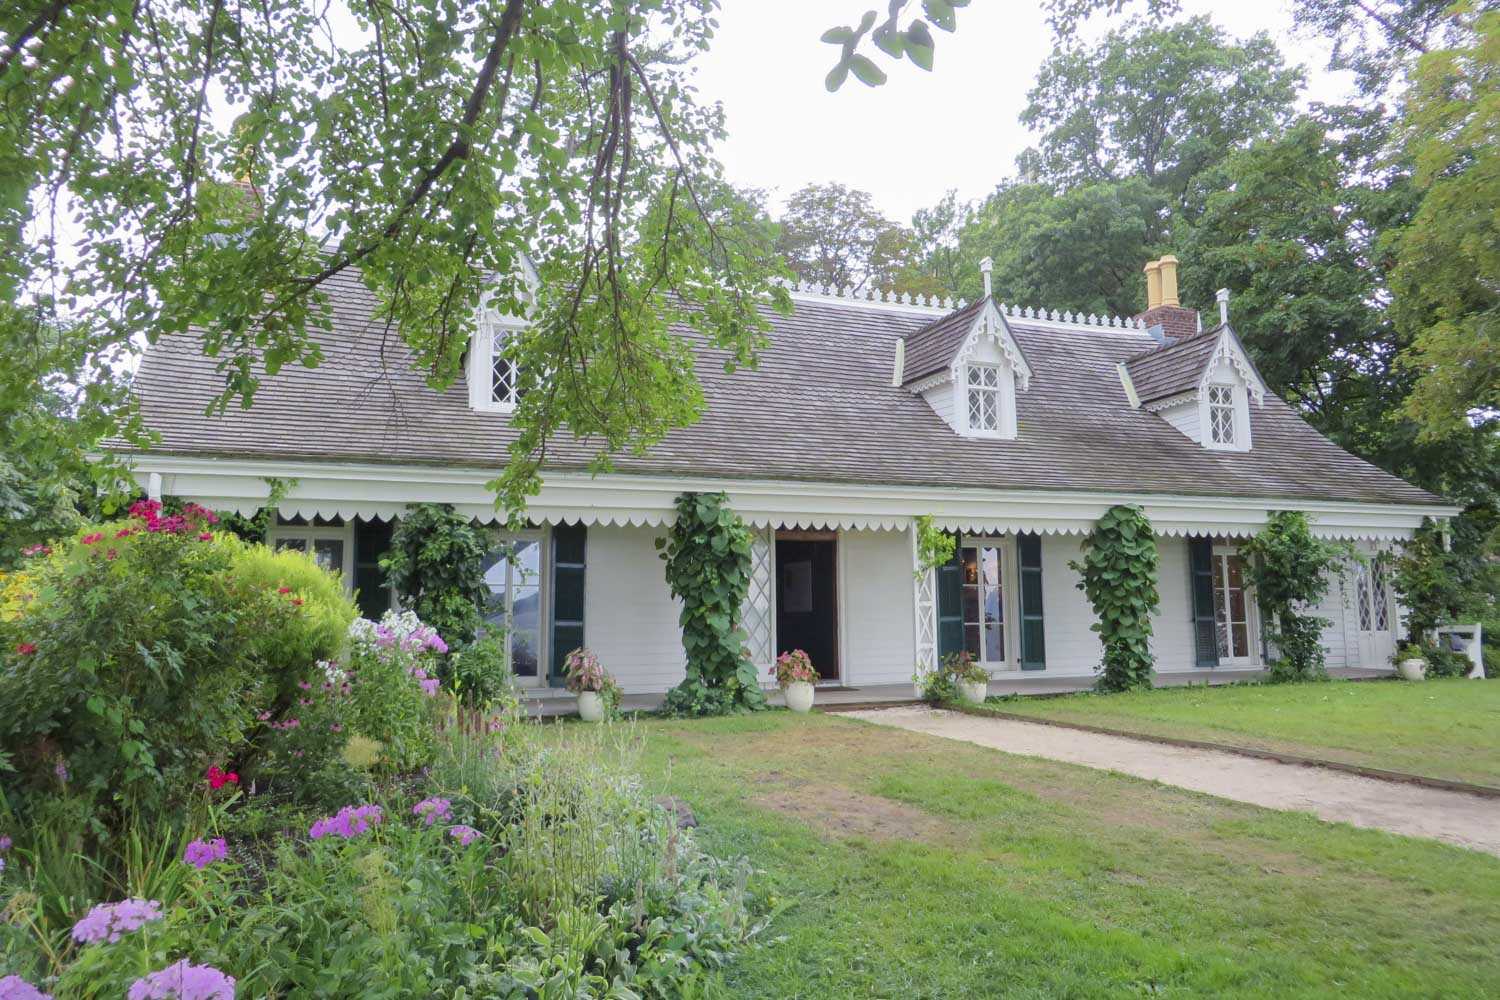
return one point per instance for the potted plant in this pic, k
(598, 694)
(1410, 662)
(794, 672)
(972, 679)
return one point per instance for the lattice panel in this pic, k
(755, 614)
(925, 601)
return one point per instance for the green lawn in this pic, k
(1442, 728)
(918, 867)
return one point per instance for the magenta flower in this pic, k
(207, 536)
(432, 810)
(464, 834)
(202, 853)
(183, 981)
(26, 648)
(91, 539)
(350, 821)
(16, 988)
(36, 550)
(108, 921)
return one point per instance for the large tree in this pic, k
(427, 146)
(834, 235)
(1162, 102)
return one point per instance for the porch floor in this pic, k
(556, 702)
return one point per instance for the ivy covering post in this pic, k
(708, 562)
(436, 564)
(1119, 577)
(1288, 568)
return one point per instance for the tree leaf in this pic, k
(869, 74)
(919, 45)
(838, 36)
(940, 13)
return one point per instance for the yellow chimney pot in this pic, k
(1153, 284)
(1169, 281)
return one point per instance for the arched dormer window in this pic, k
(494, 378)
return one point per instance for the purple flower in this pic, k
(435, 643)
(430, 686)
(349, 821)
(107, 921)
(432, 810)
(16, 988)
(183, 981)
(4, 844)
(464, 834)
(202, 853)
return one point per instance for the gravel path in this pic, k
(1455, 817)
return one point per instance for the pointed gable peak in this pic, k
(947, 343)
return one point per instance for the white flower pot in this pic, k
(590, 706)
(975, 691)
(1413, 669)
(799, 696)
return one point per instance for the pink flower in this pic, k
(283, 590)
(207, 536)
(124, 533)
(349, 821)
(91, 539)
(111, 554)
(26, 648)
(297, 601)
(464, 834)
(202, 853)
(16, 988)
(432, 810)
(108, 921)
(36, 550)
(218, 779)
(183, 981)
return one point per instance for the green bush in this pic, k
(436, 563)
(144, 655)
(1118, 573)
(1444, 662)
(480, 672)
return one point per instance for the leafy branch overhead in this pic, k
(914, 41)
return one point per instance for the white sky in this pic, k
(922, 133)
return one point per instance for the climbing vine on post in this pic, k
(1119, 576)
(436, 564)
(934, 545)
(708, 559)
(1289, 568)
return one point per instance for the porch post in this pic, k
(924, 608)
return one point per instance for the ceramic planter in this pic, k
(974, 691)
(1413, 669)
(799, 696)
(590, 706)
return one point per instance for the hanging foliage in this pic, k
(934, 545)
(436, 564)
(1119, 576)
(708, 559)
(1289, 569)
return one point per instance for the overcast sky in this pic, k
(922, 133)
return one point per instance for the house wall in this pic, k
(1172, 643)
(630, 617)
(877, 620)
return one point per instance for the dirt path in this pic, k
(1454, 817)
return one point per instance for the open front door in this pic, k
(807, 598)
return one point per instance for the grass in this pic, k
(1441, 728)
(916, 867)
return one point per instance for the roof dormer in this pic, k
(1203, 386)
(969, 368)
(491, 367)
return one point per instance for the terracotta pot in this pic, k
(590, 706)
(799, 696)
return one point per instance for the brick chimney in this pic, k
(1165, 317)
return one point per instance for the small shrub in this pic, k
(1289, 567)
(1445, 662)
(1118, 573)
(480, 672)
(961, 666)
(936, 687)
(391, 669)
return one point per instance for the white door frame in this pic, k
(1252, 656)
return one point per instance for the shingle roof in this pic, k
(820, 407)
(931, 349)
(1175, 368)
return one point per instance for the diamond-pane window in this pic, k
(984, 397)
(502, 379)
(1221, 414)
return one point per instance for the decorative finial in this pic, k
(985, 267)
(1222, 295)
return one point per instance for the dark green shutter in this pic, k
(950, 611)
(1033, 634)
(371, 540)
(1201, 579)
(568, 550)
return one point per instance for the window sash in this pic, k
(984, 397)
(982, 603)
(514, 581)
(1221, 415)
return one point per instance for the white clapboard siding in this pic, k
(630, 617)
(877, 619)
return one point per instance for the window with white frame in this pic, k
(494, 378)
(1222, 416)
(331, 544)
(984, 398)
(513, 571)
(983, 599)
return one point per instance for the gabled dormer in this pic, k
(968, 367)
(1202, 385)
(491, 370)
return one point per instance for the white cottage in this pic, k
(1014, 428)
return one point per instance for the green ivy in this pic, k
(1288, 568)
(934, 545)
(436, 564)
(708, 559)
(1119, 576)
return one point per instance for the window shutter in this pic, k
(568, 549)
(1033, 634)
(1201, 582)
(950, 612)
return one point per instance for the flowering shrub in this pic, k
(794, 668)
(391, 667)
(109, 921)
(144, 656)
